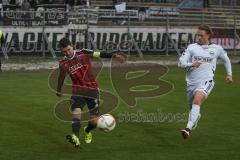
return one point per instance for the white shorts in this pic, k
(206, 87)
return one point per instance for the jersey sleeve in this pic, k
(61, 76)
(185, 59)
(62, 66)
(227, 63)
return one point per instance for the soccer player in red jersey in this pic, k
(85, 89)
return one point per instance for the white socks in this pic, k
(193, 116)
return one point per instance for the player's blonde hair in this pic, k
(207, 29)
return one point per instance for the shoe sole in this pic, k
(69, 138)
(76, 146)
(184, 134)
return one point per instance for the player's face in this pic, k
(202, 37)
(68, 51)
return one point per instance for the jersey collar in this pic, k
(70, 58)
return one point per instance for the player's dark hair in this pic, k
(64, 42)
(207, 29)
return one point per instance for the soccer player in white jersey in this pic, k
(200, 60)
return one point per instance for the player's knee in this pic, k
(198, 98)
(197, 102)
(76, 112)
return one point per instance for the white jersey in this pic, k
(208, 55)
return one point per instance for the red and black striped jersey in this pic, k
(80, 70)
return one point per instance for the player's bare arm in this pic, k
(61, 79)
(118, 56)
(228, 67)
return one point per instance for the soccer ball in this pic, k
(106, 122)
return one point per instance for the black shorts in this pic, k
(81, 101)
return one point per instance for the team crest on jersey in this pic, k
(73, 68)
(211, 53)
(203, 59)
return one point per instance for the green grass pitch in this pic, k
(30, 131)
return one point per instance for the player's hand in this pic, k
(196, 64)
(229, 79)
(120, 58)
(59, 94)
